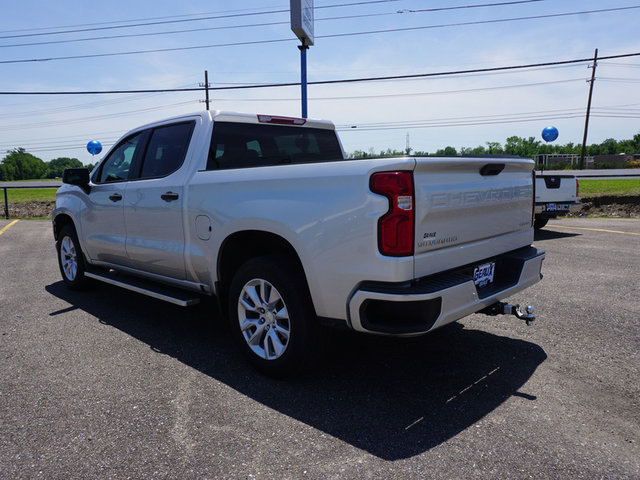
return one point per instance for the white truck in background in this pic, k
(265, 214)
(555, 195)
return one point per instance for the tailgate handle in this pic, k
(552, 182)
(491, 169)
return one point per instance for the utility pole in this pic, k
(586, 120)
(206, 88)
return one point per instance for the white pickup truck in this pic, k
(555, 195)
(265, 213)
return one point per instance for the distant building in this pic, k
(620, 158)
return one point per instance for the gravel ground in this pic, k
(104, 383)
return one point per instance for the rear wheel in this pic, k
(70, 258)
(539, 223)
(272, 317)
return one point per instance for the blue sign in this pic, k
(549, 134)
(94, 147)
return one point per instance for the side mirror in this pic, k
(78, 177)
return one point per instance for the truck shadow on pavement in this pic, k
(541, 235)
(394, 398)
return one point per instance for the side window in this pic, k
(167, 150)
(116, 167)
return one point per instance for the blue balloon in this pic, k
(94, 147)
(549, 134)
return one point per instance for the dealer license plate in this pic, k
(483, 274)
(551, 207)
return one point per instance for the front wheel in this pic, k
(272, 317)
(70, 259)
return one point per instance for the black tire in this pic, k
(272, 317)
(539, 223)
(71, 258)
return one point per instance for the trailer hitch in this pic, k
(501, 308)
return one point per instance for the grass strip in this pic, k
(23, 195)
(609, 186)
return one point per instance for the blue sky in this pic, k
(461, 110)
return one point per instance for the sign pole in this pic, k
(303, 76)
(302, 25)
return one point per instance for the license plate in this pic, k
(551, 207)
(483, 274)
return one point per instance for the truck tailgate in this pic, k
(469, 209)
(555, 188)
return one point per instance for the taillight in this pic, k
(395, 228)
(577, 187)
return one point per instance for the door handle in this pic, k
(169, 196)
(116, 197)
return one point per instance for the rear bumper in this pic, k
(552, 210)
(415, 308)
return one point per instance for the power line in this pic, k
(480, 22)
(338, 35)
(123, 21)
(92, 117)
(147, 24)
(326, 82)
(520, 117)
(67, 143)
(264, 24)
(620, 80)
(466, 121)
(625, 65)
(396, 95)
(174, 21)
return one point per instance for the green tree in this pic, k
(56, 166)
(447, 151)
(358, 154)
(20, 165)
(494, 148)
(391, 152)
(524, 147)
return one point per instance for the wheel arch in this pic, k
(60, 221)
(244, 245)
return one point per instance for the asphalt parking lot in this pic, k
(109, 384)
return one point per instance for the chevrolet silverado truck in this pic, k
(555, 195)
(266, 214)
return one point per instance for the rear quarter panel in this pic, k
(325, 211)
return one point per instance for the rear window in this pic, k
(243, 145)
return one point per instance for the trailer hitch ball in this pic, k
(527, 316)
(501, 308)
